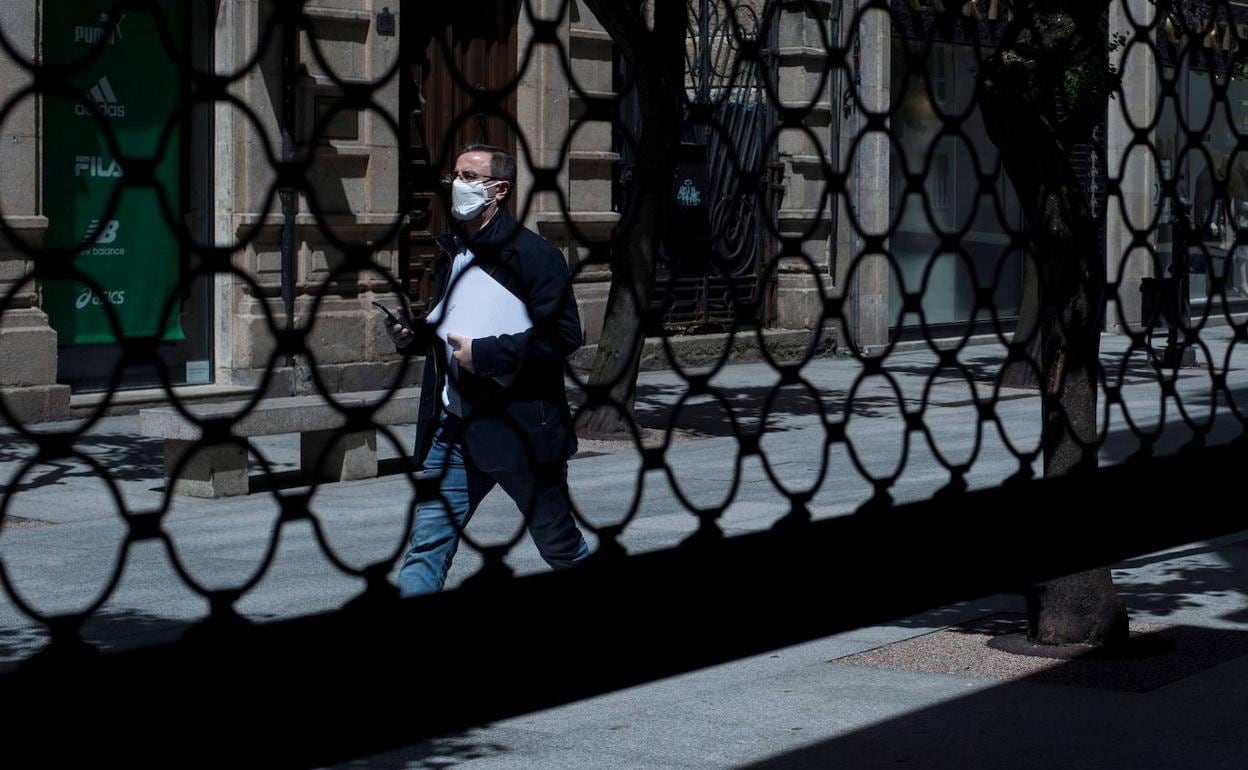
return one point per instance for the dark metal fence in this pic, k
(913, 127)
(697, 292)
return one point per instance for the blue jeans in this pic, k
(463, 486)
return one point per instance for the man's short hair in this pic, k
(502, 163)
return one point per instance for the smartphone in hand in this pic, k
(405, 331)
(390, 317)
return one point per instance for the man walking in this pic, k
(493, 409)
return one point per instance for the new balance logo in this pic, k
(101, 236)
(94, 166)
(105, 101)
(90, 35)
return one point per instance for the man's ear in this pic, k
(502, 191)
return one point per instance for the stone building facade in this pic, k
(822, 242)
(355, 178)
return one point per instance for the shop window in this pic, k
(924, 89)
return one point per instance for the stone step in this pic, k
(275, 416)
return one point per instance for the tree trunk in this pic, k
(1044, 91)
(1082, 609)
(614, 374)
(656, 53)
(1025, 346)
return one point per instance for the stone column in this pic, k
(548, 105)
(1136, 173)
(801, 60)
(542, 103)
(27, 343)
(866, 311)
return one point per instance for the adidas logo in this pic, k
(105, 101)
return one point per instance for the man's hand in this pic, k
(400, 335)
(462, 352)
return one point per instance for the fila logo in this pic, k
(105, 101)
(93, 166)
(90, 35)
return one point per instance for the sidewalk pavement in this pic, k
(809, 706)
(925, 692)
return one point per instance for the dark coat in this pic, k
(531, 415)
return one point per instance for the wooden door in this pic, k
(452, 56)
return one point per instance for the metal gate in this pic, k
(729, 121)
(221, 677)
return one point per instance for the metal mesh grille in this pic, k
(960, 198)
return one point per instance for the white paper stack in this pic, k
(478, 306)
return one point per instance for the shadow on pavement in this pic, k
(1174, 699)
(110, 629)
(791, 408)
(1177, 709)
(127, 458)
(439, 753)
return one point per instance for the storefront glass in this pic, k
(943, 83)
(1211, 182)
(132, 261)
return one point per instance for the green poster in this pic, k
(133, 255)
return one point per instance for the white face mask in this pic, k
(468, 200)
